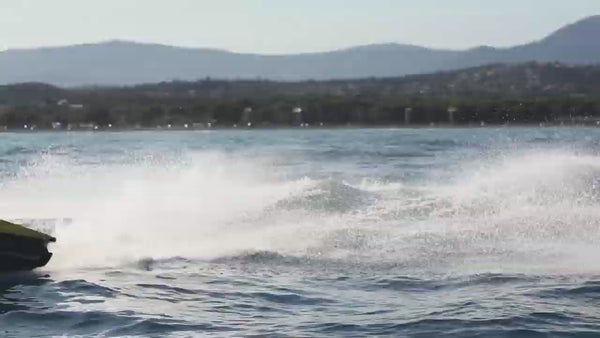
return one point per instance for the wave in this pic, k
(327, 196)
(253, 257)
(16, 150)
(374, 154)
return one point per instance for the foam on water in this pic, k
(536, 211)
(126, 212)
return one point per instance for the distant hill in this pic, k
(495, 81)
(125, 63)
(533, 92)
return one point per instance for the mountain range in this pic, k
(126, 63)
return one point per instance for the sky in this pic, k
(286, 26)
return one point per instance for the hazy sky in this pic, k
(286, 26)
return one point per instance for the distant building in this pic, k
(451, 114)
(246, 118)
(407, 115)
(65, 103)
(297, 117)
(89, 126)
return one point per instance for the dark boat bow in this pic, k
(22, 248)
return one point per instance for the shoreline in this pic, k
(311, 128)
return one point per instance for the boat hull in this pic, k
(18, 253)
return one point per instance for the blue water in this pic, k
(407, 232)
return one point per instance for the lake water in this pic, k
(406, 232)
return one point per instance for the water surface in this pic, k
(400, 232)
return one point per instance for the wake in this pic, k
(532, 212)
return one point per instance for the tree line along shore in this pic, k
(520, 94)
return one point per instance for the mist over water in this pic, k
(305, 224)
